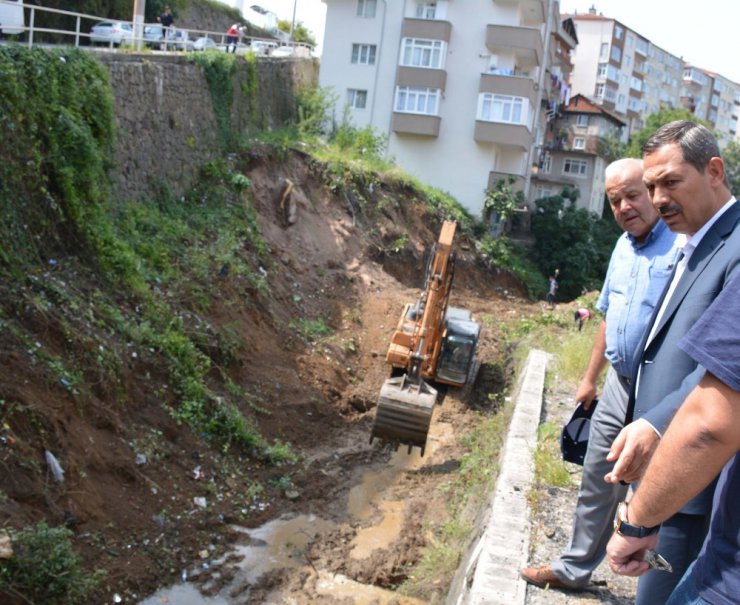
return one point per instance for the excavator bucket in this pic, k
(404, 412)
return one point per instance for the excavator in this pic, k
(432, 343)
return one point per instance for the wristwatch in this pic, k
(623, 528)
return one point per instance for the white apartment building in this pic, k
(626, 73)
(463, 89)
(713, 98)
(623, 71)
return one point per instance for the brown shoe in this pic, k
(544, 577)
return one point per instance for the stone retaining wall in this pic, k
(167, 126)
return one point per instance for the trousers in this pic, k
(593, 521)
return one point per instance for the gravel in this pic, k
(551, 529)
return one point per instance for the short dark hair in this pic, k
(697, 144)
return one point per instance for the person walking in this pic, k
(552, 289)
(166, 19)
(640, 266)
(702, 439)
(232, 37)
(686, 178)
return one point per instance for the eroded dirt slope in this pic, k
(132, 474)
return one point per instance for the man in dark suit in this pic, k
(686, 178)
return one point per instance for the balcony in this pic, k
(506, 135)
(494, 177)
(414, 123)
(534, 11)
(526, 42)
(515, 86)
(421, 77)
(426, 29)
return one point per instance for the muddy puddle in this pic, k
(281, 543)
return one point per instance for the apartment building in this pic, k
(626, 73)
(713, 98)
(622, 71)
(463, 90)
(572, 155)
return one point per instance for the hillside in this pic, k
(178, 371)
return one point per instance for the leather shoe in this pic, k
(544, 577)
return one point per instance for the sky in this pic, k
(703, 32)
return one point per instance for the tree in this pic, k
(610, 148)
(573, 240)
(300, 32)
(501, 202)
(731, 156)
(655, 121)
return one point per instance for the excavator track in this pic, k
(404, 412)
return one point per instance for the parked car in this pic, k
(204, 43)
(180, 40)
(111, 32)
(283, 51)
(153, 35)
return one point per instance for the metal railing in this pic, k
(78, 33)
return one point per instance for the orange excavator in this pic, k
(432, 342)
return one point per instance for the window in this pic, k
(357, 98)
(546, 166)
(616, 54)
(575, 167)
(543, 192)
(417, 100)
(421, 53)
(599, 93)
(366, 8)
(502, 108)
(363, 54)
(604, 50)
(618, 32)
(601, 72)
(579, 143)
(426, 10)
(582, 120)
(636, 84)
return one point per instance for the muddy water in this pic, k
(281, 543)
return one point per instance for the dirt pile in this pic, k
(144, 495)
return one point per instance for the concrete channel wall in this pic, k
(489, 572)
(167, 125)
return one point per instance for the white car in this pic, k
(204, 43)
(111, 32)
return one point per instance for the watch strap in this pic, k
(624, 528)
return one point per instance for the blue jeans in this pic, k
(687, 592)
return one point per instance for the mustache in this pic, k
(668, 209)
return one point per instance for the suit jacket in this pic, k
(667, 374)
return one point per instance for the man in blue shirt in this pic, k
(702, 438)
(639, 269)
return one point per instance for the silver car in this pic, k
(111, 32)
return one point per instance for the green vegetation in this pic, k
(45, 569)
(466, 492)
(219, 70)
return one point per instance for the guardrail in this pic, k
(18, 23)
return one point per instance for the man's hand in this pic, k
(632, 449)
(626, 556)
(586, 393)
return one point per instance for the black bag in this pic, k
(574, 437)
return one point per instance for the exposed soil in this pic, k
(132, 473)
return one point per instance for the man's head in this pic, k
(629, 199)
(685, 175)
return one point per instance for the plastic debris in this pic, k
(117, 598)
(140, 459)
(6, 548)
(200, 501)
(54, 466)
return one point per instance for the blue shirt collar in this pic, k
(660, 226)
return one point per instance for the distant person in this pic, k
(702, 439)
(166, 19)
(687, 180)
(552, 289)
(581, 315)
(639, 269)
(233, 34)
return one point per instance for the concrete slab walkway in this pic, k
(489, 574)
